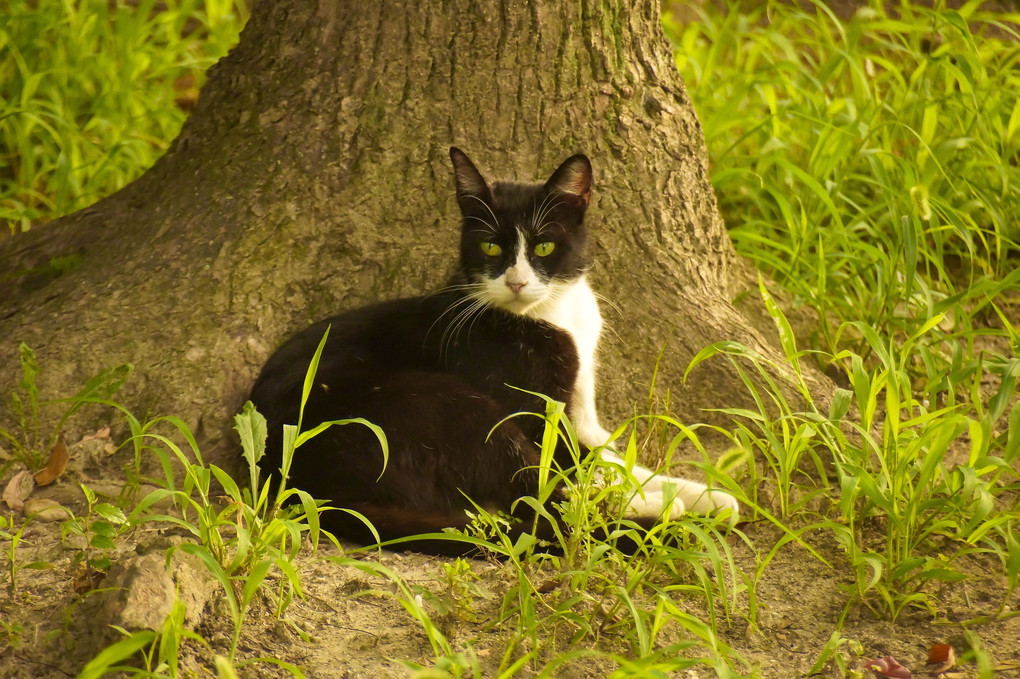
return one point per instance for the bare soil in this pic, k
(355, 625)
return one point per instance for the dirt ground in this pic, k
(356, 628)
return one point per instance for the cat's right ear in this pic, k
(572, 179)
(471, 186)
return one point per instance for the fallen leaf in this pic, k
(18, 489)
(56, 465)
(887, 667)
(85, 578)
(940, 658)
(548, 586)
(45, 509)
(100, 434)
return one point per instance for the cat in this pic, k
(437, 373)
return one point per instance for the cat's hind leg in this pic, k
(701, 499)
(685, 494)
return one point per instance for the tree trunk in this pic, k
(313, 177)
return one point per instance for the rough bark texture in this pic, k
(313, 176)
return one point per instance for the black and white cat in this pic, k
(436, 373)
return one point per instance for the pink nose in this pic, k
(516, 287)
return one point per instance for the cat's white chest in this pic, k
(574, 308)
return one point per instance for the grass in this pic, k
(869, 168)
(28, 446)
(92, 92)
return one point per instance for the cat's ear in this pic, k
(471, 186)
(573, 179)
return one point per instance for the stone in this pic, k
(144, 590)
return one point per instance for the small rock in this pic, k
(144, 589)
(44, 509)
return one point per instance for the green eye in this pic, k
(543, 249)
(491, 249)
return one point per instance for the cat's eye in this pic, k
(544, 249)
(491, 249)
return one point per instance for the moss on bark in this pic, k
(313, 176)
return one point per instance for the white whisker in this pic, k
(471, 312)
(463, 308)
(538, 221)
(491, 213)
(489, 228)
(610, 303)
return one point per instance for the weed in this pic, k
(459, 587)
(238, 543)
(611, 579)
(160, 651)
(13, 633)
(889, 461)
(98, 527)
(12, 535)
(29, 448)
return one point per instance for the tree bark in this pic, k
(313, 176)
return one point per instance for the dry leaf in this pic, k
(18, 489)
(887, 667)
(940, 658)
(100, 434)
(548, 586)
(56, 465)
(85, 578)
(45, 509)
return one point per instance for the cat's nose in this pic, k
(516, 287)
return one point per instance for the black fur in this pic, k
(437, 384)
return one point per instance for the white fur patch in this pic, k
(570, 306)
(519, 289)
(573, 307)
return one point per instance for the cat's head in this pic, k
(522, 244)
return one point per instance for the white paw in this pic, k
(655, 505)
(696, 497)
(703, 500)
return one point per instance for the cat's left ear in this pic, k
(471, 186)
(573, 179)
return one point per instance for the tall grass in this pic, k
(93, 91)
(869, 166)
(903, 512)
